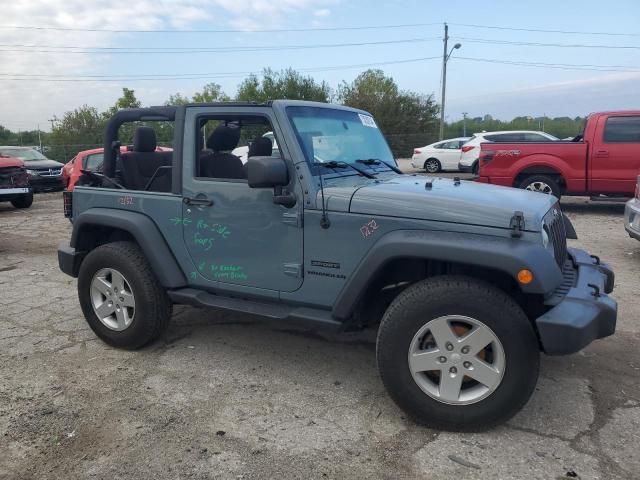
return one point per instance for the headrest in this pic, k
(261, 147)
(224, 138)
(144, 140)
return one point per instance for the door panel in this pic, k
(236, 235)
(615, 155)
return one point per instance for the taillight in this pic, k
(467, 148)
(67, 203)
(417, 151)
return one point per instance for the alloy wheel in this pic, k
(112, 299)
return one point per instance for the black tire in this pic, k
(24, 201)
(475, 168)
(550, 181)
(458, 295)
(432, 165)
(152, 305)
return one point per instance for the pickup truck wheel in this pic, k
(24, 201)
(120, 296)
(464, 359)
(542, 184)
(432, 165)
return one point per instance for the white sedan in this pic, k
(443, 155)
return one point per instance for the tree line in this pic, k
(408, 119)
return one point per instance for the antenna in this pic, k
(324, 220)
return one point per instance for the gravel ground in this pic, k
(232, 396)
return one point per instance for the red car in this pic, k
(14, 182)
(88, 160)
(605, 160)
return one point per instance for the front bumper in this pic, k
(7, 194)
(632, 218)
(585, 313)
(69, 259)
(46, 184)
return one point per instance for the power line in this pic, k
(269, 30)
(561, 66)
(539, 44)
(539, 30)
(191, 76)
(182, 50)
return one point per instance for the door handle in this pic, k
(197, 202)
(602, 153)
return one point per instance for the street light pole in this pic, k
(445, 59)
(464, 123)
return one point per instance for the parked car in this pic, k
(604, 160)
(632, 214)
(243, 152)
(14, 182)
(471, 150)
(44, 175)
(443, 155)
(466, 283)
(90, 160)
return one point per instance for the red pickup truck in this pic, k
(604, 160)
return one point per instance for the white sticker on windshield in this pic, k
(367, 121)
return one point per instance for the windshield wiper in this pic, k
(377, 161)
(336, 164)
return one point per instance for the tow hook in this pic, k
(596, 289)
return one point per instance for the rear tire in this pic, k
(542, 184)
(432, 165)
(24, 201)
(512, 353)
(475, 168)
(118, 275)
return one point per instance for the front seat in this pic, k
(260, 147)
(220, 163)
(142, 163)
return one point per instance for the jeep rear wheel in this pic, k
(120, 296)
(466, 359)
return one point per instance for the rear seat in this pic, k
(143, 163)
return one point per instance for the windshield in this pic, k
(328, 135)
(23, 154)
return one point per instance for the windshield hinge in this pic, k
(517, 224)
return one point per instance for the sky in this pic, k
(44, 70)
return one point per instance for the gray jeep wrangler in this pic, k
(466, 283)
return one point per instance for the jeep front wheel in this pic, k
(120, 296)
(456, 353)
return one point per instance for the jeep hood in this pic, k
(438, 199)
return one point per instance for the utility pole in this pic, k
(445, 59)
(444, 78)
(464, 123)
(39, 138)
(53, 120)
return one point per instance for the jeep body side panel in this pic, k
(504, 254)
(133, 211)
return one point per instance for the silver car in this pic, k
(632, 214)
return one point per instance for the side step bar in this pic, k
(314, 316)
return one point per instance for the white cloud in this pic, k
(322, 12)
(27, 103)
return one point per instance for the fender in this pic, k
(505, 254)
(543, 160)
(145, 232)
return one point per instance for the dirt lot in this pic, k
(231, 396)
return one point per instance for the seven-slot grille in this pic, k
(554, 226)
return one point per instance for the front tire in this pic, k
(24, 201)
(456, 353)
(432, 165)
(120, 296)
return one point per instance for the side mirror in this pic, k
(271, 172)
(267, 172)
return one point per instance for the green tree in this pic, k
(211, 92)
(284, 84)
(79, 129)
(407, 119)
